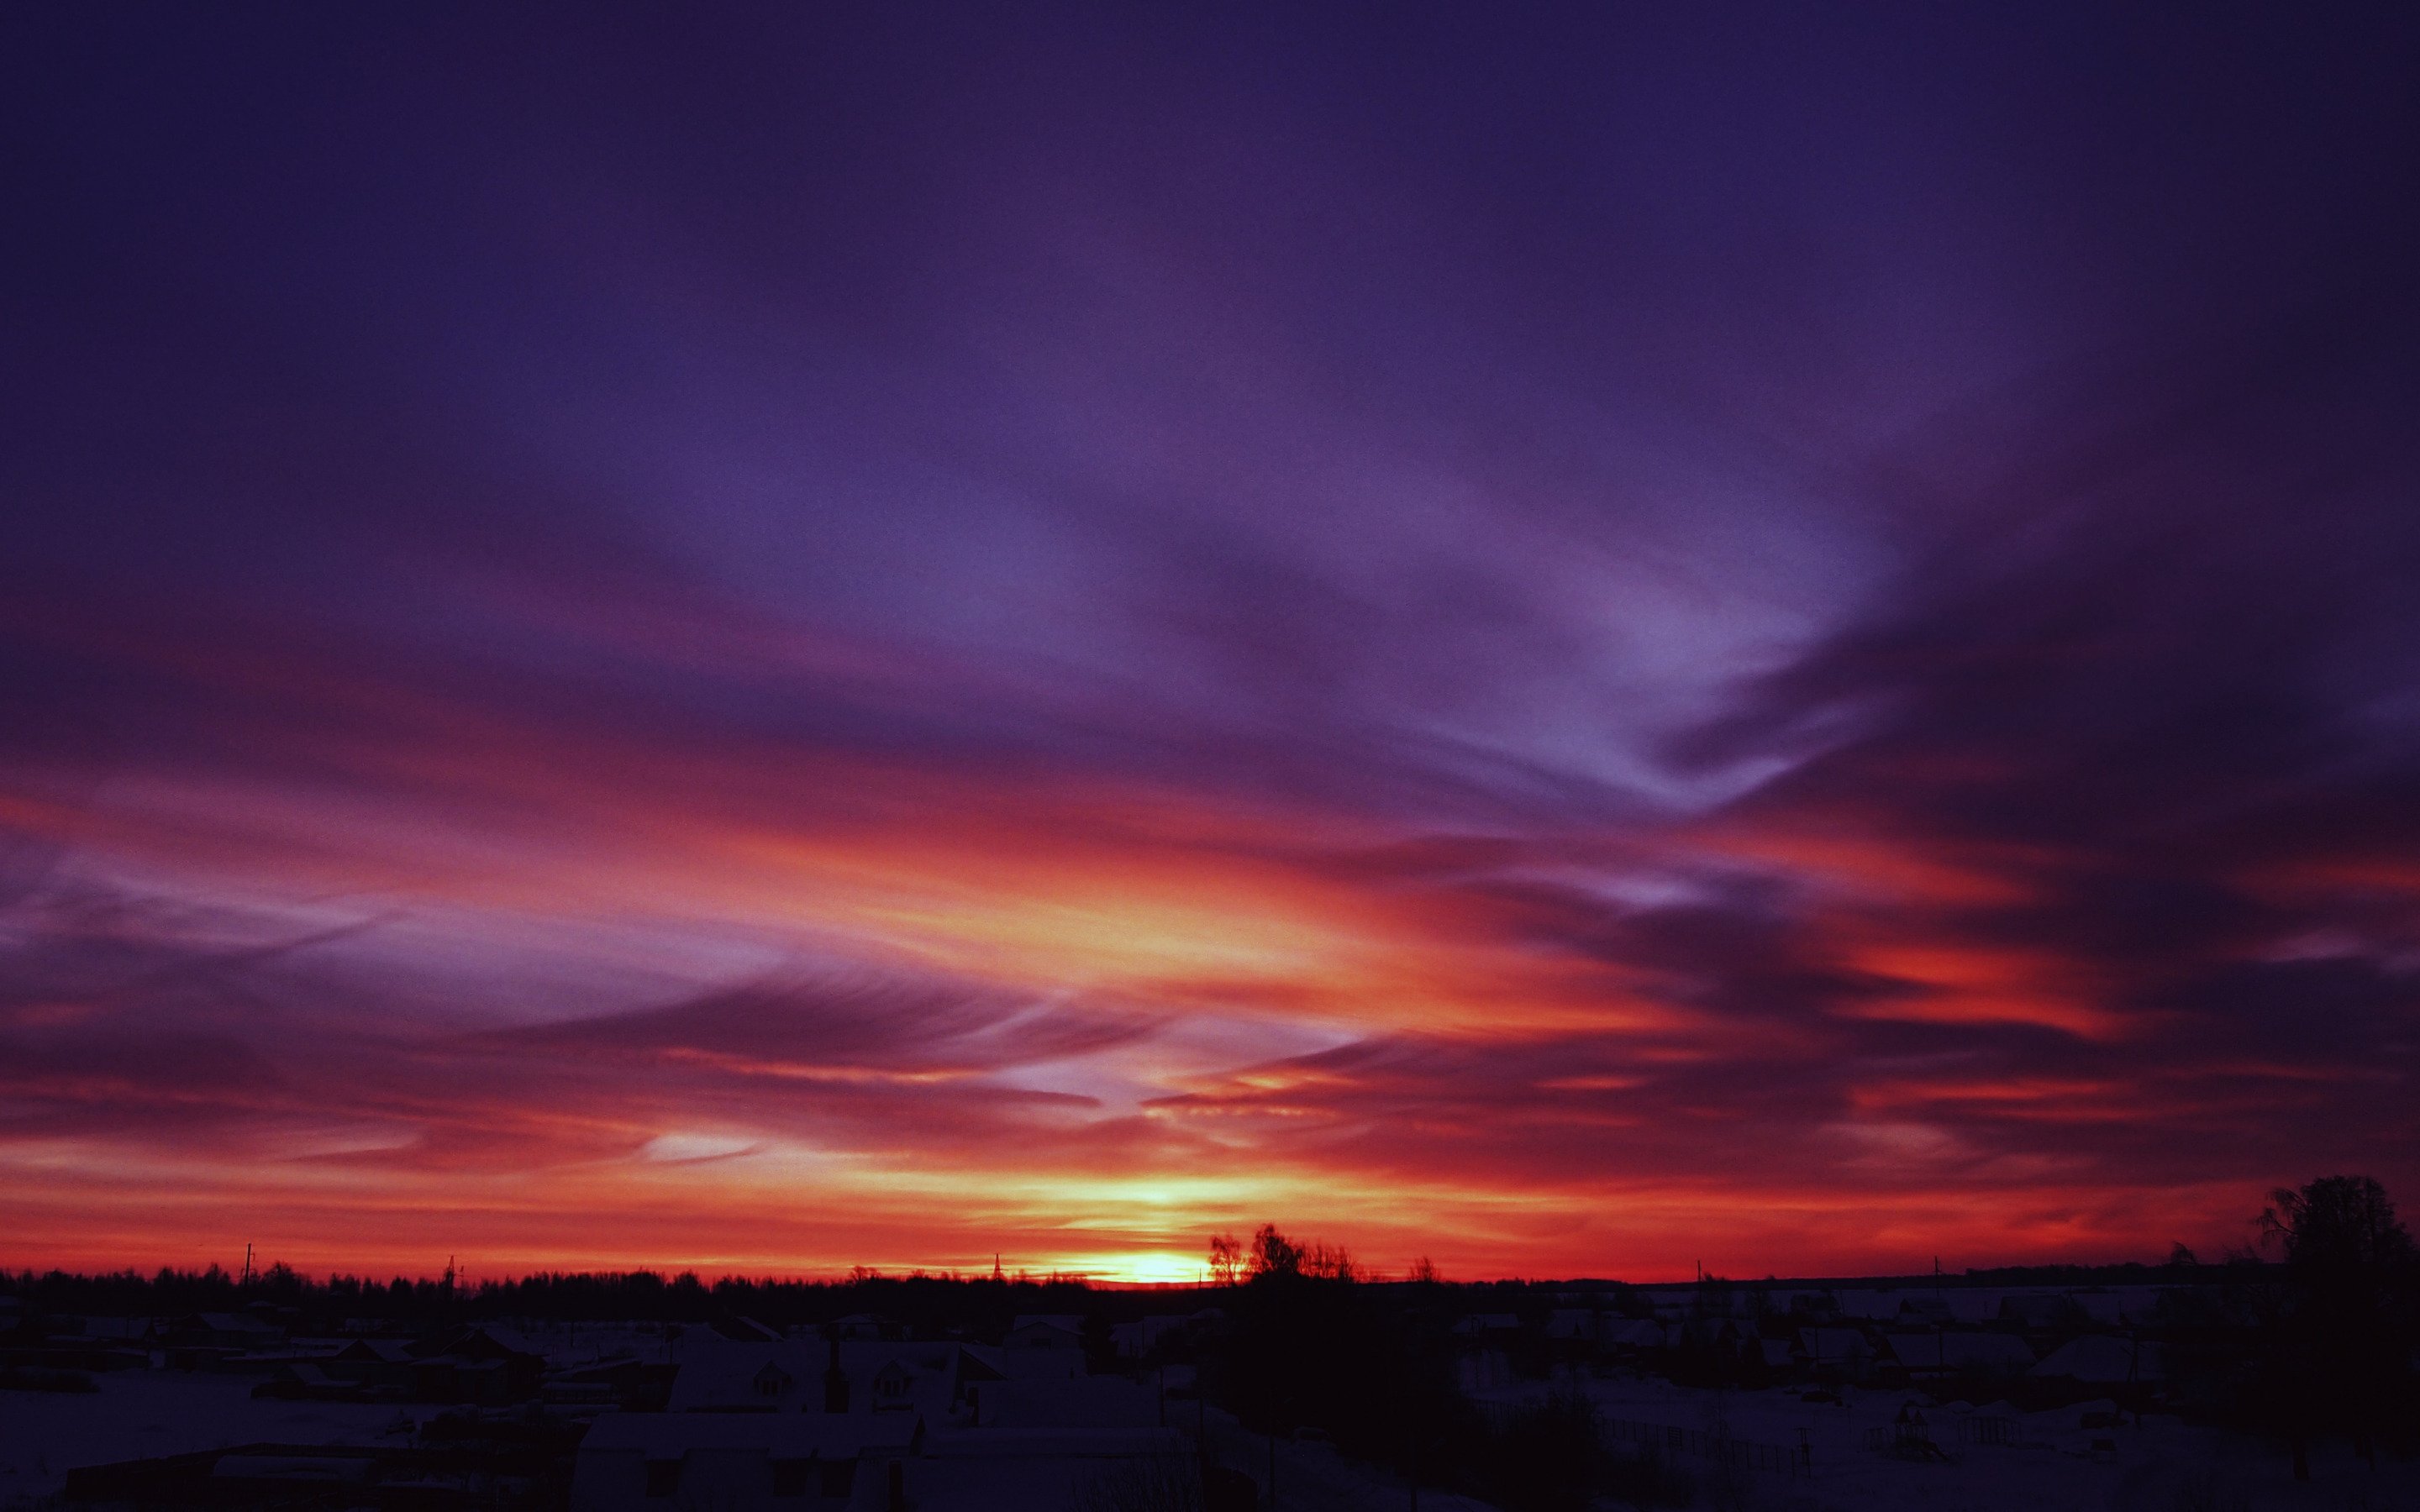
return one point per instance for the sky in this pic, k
(1576, 642)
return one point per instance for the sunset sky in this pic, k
(770, 639)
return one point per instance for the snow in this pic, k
(2053, 1465)
(142, 1414)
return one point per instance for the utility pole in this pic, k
(247, 1265)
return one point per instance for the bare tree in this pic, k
(1274, 1253)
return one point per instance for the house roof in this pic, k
(1835, 1343)
(1041, 1336)
(981, 1362)
(1488, 1322)
(235, 1323)
(2039, 1309)
(1571, 1323)
(717, 1374)
(390, 1351)
(1866, 1304)
(1956, 1349)
(785, 1435)
(1055, 1444)
(2119, 1304)
(1144, 1331)
(1082, 1402)
(507, 1340)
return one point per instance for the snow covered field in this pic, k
(2159, 1465)
(143, 1414)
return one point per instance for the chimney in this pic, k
(835, 1381)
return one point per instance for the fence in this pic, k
(1908, 1441)
(1916, 1440)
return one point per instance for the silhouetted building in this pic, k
(929, 1378)
(733, 1461)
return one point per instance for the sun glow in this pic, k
(1136, 1268)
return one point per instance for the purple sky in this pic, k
(775, 637)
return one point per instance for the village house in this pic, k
(1044, 1345)
(2105, 1360)
(1845, 1352)
(2041, 1311)
(734, 1461)
(1050, 1470)
(1087, 1401)
(1866, 1307)
(1482, 1324)
(855, 1377)
(197, 1341)
(1934, 1355)
(1135, 1340)
(1631, 1335)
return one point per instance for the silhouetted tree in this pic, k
(1547, 1458)
(1226, 1260)
(1306, 1344)
(2336, 1230)
(1273, 1253)
(2335, 1348)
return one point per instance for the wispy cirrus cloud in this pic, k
(1060, 640)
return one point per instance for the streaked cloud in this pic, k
(1572, 655)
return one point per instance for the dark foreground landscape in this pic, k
(1604, 641)
(2283, 1377)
